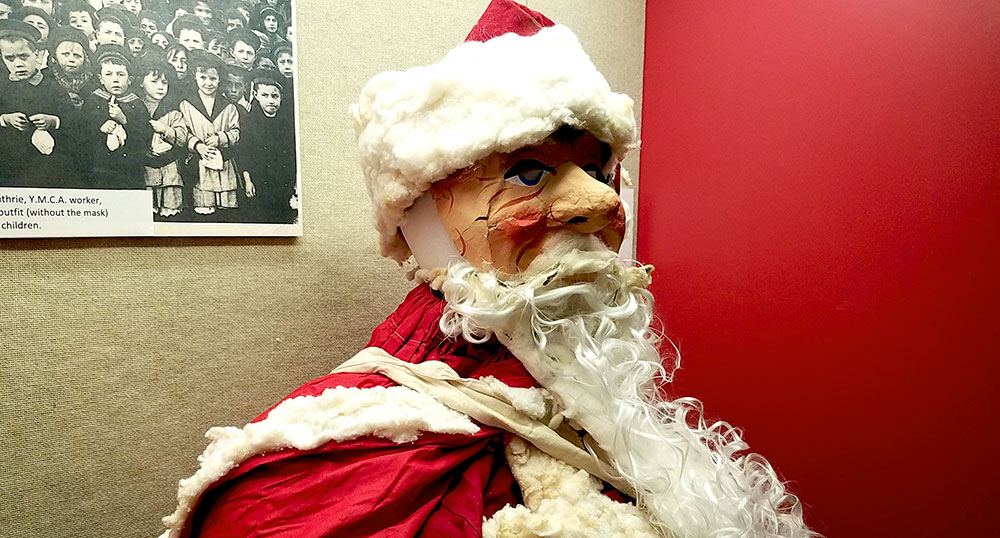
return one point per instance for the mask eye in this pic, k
(594, 171)
(528, 173)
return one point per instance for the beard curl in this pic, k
(579, 321)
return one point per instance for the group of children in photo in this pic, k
(191, 99)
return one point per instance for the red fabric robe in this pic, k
(440, 485)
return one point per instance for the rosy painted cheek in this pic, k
(513, 235)
(521, 225)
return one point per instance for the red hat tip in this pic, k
(506, 16)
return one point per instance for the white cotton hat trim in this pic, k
(307, 422)
(419, 126)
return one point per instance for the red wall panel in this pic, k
(821, 197)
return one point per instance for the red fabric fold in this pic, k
(438, 485)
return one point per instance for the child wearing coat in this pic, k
(155, 81)
(116, 124)
(268, 151)
(34, 114)
(213, 125)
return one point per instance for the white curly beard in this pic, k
(579, 320)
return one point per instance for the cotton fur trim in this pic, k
(418, 126)
(530, 401)
(561, 501)
(307, 422)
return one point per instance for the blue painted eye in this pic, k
(528, 173)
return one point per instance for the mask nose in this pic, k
(581, 203)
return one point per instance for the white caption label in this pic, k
(75, 212)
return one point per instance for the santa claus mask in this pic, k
(509, 207)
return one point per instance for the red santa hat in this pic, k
(517, 79)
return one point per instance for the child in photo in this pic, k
(270, 30)
(285, 63)
(135, 41)
(235, 19)
(189, 32)
(43, 23)
(149, 23)
(162, 40)
(154, 77)
(132, 6)
(213, 124)
(284, 60)
(218, 44)
(81, 15)
(33, 110)
(117, 124)
(265, 62)
(70, 66)
(271, 22)
(69, 63)
(267, 151)
(203, 10)
(177, 57)
(243, 47)
(235, 87)
(39, 19)
(110, 31)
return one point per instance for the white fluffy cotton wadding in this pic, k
(562, 501)
(530, 401)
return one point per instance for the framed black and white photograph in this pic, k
(148, 118)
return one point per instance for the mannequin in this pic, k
(519, 389)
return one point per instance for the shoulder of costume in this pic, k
(306, 422)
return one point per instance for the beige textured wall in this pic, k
(117, 354)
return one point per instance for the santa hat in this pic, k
(517, 79)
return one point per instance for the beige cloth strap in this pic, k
(479, 400)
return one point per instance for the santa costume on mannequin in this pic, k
(519, 391)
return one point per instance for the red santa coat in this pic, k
(439, 485)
